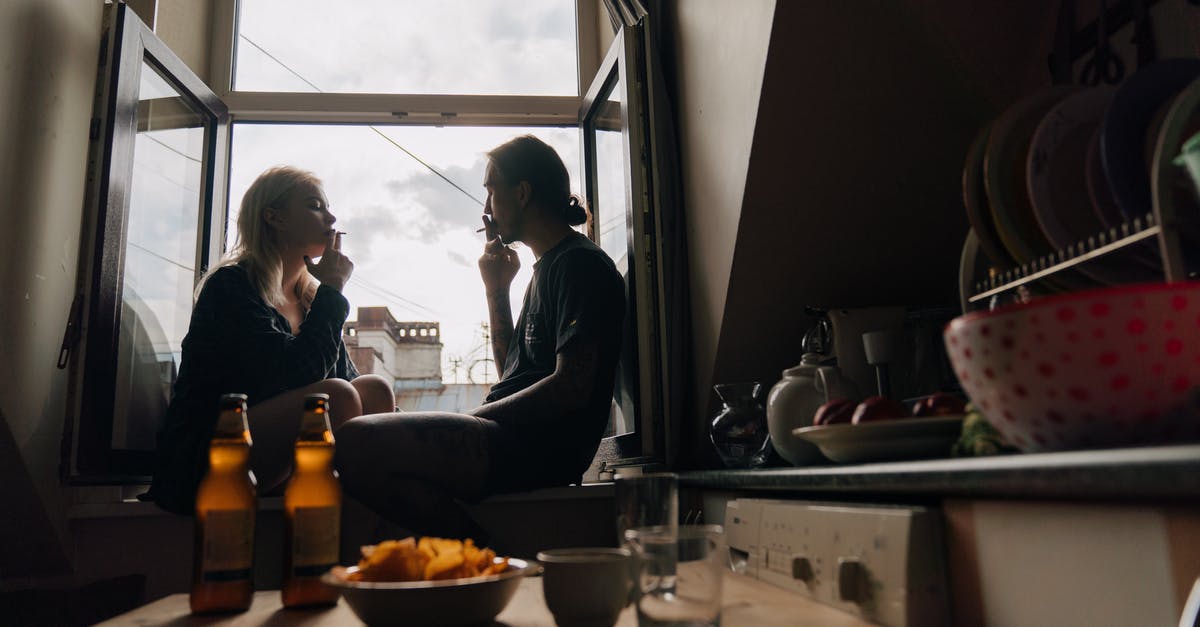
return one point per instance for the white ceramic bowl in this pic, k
(443, 603)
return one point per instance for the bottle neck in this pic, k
(231, 427)
(314, 429)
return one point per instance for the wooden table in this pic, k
(748, 603)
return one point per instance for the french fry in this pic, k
(428, 558)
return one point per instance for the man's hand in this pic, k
(334, 269)
(499, 263)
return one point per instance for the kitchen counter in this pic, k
(1162, 472)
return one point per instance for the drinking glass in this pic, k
(646, 500)
(680, 575)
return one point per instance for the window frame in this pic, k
(127, 44)
(396, 109)
(625, 59)
(89, 457)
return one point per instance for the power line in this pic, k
(166, 259)
(390, 298)
(382, 291)
(379, 132)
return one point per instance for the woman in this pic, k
(267, 323)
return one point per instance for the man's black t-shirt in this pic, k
(576, 292)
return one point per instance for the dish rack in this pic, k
(1166, 230)
(1164, 223)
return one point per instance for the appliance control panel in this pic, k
(882, 563)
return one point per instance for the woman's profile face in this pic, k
(305, 223)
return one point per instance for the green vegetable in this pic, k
(979, 437)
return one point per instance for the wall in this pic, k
(714, 67)
(47, 74)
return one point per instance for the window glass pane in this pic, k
(507, 47)
(412, 238)
(160, 258)
(610, 211)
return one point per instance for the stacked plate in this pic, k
(1068, 163)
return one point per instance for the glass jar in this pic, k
(739, 431)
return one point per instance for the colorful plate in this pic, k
(1004, 174)
(1129, 120)
(1144, 254)
(1056, 175)
(1054, 169)
(1173, 192)
(976, 203)
(1099, 193)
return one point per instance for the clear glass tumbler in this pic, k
(680, 575)
(646, 500)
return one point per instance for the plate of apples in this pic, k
(881, 429)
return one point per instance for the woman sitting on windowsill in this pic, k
(267, 323)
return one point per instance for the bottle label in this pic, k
(315, 540)
(228, 544)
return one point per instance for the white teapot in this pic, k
(795, 399)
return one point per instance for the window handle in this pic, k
(71, 334)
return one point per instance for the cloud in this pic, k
(447, 207)
(458, 258)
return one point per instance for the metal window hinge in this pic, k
(71, 335)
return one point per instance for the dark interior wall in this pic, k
(48, 51)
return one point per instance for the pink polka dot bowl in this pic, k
(1117, 366)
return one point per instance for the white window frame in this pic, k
(405, 109)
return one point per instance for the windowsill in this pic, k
(121, 502)
(1161, 472)
(91, 503)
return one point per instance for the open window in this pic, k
(618, 185)
(168, 153)
(156, 202)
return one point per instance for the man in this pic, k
(542, 423)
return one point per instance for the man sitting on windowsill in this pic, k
(542, 423)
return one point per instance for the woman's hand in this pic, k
(334, 269)
(499, 263)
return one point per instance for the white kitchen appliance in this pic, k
(883, 563)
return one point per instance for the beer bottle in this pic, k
(225, 506)
(312, 507)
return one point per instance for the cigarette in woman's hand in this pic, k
(342, 233)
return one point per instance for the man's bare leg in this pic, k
(413, 467)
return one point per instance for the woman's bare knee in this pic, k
(344, 401)
(376, 394)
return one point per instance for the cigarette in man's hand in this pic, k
(481, 229)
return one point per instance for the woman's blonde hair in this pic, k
(257, 245)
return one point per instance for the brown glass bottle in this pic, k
(312, 504)
(225, 506)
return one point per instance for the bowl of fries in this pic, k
(433, 581)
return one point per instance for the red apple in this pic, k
(877, 408)
(939, 404)
(836, 411)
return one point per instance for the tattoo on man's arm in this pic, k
(500, 314)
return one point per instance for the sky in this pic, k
(410, 234)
